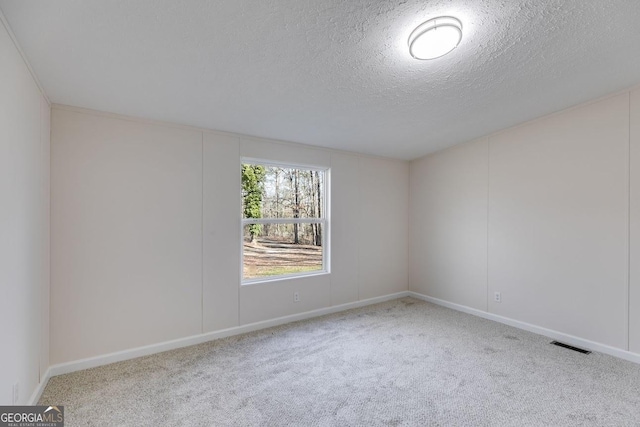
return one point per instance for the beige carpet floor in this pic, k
(400, 363)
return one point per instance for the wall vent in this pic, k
(570, 347)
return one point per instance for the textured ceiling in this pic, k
(333, 73)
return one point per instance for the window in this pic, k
(284, 221)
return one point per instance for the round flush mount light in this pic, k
(435, 37)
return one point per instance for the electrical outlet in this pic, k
(296, 297)
(16, 393)
(497, 297)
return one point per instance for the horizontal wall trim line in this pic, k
(569, 339)
(92, 362)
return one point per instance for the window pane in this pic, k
(282, 192)
(281, 249)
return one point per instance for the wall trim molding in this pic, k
(35, 396)
(92, 362)
(556, 335)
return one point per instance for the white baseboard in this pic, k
(35, 396)
(92, 362)
(560, 336)
(78, 365)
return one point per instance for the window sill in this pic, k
(271, 279)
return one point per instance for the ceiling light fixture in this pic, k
(435, 37)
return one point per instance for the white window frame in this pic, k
(323, 220)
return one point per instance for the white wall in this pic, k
(24, 226)
(222, 202)
(126, 237)
(556, 235)
(146, 233)
(448, 224)
(383, 208)
(634, 223)
(558, 210)
(345, 212)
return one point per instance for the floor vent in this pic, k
(570, 347)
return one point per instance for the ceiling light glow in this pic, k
(435, 37)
